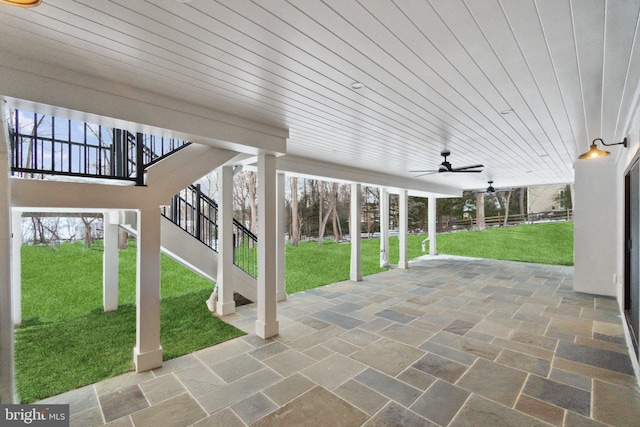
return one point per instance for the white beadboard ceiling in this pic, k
(520, 86)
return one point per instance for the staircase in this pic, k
(196, 214)
(45, 145)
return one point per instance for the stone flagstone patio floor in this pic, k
(450, 342)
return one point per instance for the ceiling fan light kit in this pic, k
(594, 152)
(491, 189)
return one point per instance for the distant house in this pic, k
(544, 199)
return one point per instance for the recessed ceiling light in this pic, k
(357, 85)
(22, 3)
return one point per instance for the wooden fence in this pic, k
(499, 220)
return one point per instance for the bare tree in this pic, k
(240, 196)
(337, 230)
(295, 213)
(506, 209)
(210, 184)
(252, 192)
(330, 197)
(88, 231)
(52, 228)
(39, 231)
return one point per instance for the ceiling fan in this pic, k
(491, 190)
(445, 166)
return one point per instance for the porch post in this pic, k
(225, 304)
(355, 233)
(432, 226)
(594, 271)
(281, 289)
(384, 227)
(16, 265)
(7, 372)
(403, 228)
(110, 261)
(266, 322)
(148, 354)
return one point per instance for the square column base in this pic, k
(265, 331)
(147, 361)
(281, 296)
(355, 277)
(225, 308)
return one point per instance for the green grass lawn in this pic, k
(67, 341)
(546, 243)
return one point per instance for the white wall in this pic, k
(597, 221)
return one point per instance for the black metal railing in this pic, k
(197, 214)
(245, 249)
(48, 145)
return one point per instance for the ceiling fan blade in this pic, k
(463, 168)
(425, 173)
(422, 171)
(465, 171)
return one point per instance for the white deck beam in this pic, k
(317, 169)
(61, 91)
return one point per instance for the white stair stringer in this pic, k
(198, 257)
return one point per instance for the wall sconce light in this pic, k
(22, 3)
(595, 152)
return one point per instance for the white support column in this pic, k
(384, 227)
(16, 265)
(355, 233)
(148, 354)
(7, 371)
(432, 225)
(281, 289)
(110, 261)
(225, 304)
(267, 323)
(403, 228)
(596, 256)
